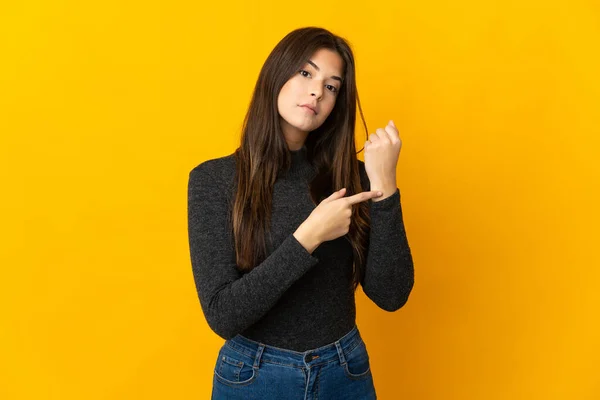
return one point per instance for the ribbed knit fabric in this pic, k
(293, 299)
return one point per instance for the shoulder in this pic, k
(215, 171)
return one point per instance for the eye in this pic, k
(331, 88)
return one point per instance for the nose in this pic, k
(317, 91)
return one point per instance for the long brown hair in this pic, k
(263, 152)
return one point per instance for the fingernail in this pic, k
(379, 193)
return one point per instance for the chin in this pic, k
(300, 125)
(304, 127)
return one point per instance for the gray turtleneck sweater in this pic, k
(293, 299)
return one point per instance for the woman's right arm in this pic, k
(232, 301)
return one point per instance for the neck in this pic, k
(294, 137)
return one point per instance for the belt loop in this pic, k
(340, 352)
(259, 352)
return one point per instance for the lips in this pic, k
(310, 108)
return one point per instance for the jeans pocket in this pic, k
(234, 368)
(357, 363)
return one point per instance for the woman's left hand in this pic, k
(381, 157)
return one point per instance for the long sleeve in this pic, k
(232, 301)
(389, 273)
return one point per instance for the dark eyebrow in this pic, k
(337, 78)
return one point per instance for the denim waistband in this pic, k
(321, 355)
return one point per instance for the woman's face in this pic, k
(317, 85)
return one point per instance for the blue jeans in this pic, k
(248, 370)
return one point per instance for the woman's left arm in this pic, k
(389, 272)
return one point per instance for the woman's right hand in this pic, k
(330, 219)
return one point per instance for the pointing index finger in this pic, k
(362, 196)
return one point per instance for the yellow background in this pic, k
(106, 106)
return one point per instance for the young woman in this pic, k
(283, 230)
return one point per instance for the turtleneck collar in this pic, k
(301, 166)
(298, 156)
